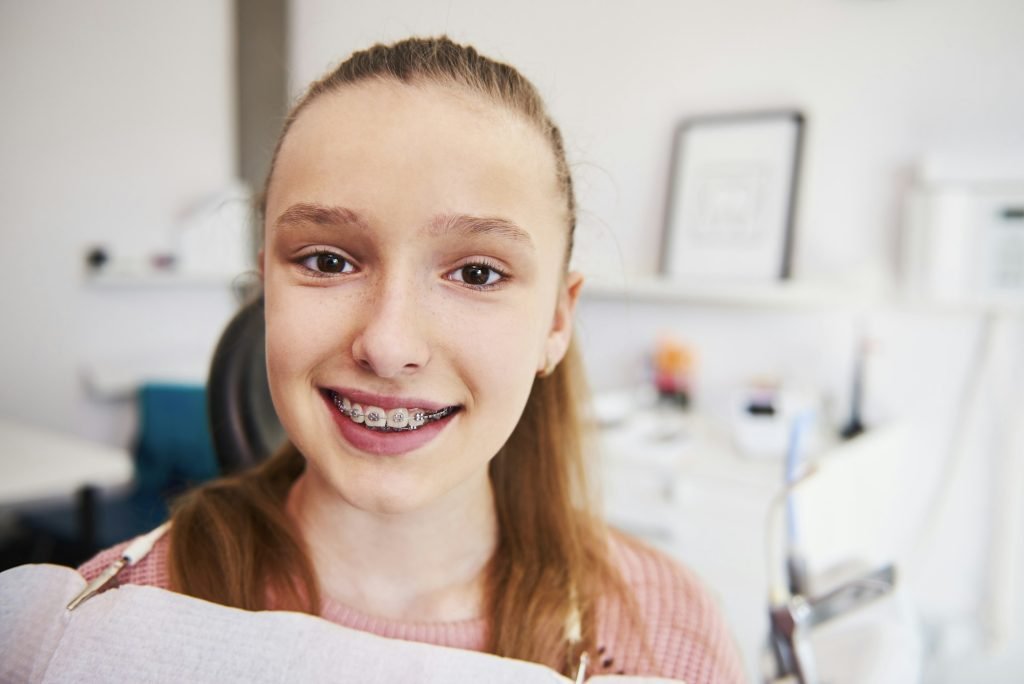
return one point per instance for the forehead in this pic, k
(383, 146)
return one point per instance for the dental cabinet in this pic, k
(680, 484)
(679, 481)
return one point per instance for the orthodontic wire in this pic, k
(435, 415)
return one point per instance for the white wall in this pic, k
(117, 117)
(882, 83)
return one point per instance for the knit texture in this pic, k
(686, 636)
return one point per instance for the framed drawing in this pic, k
(732, 196)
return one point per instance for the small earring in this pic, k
(548, 369)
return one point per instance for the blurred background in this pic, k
(873, 367)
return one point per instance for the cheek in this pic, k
(498, 353)
(285, 350)
(300, 332)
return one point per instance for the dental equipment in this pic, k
(132, 554)
(791, 614)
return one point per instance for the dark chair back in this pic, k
(243, 422)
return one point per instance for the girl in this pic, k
(417, 226)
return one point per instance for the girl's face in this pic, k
(414, 259)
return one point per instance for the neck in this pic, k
(426, 565)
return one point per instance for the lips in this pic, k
(393, 428)
(384, 401)
(387, 419)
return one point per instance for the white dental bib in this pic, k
(139, 633)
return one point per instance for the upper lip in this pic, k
(387, 402)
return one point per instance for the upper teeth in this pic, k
(395, 419)
(398, 418)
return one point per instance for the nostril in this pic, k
(391, 342)
(387, 357)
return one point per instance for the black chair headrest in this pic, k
(243, 422)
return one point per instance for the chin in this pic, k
(386, 496)
(371, 485)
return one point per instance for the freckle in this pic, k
(601, 650)
(607, 662)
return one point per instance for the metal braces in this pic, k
(426, 417)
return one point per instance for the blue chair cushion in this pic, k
(174, 449)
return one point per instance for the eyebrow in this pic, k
(465, 225)
(305, 213)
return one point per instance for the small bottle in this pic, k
(673, 372)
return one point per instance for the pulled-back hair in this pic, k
(233, 543)
(439, 61)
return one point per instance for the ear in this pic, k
(560, 334)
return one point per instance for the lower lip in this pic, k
(386, 443)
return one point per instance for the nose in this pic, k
(391, 340)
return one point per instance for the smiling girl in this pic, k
(418, 221)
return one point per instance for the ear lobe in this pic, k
(561, 325)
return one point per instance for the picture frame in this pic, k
(732, 197)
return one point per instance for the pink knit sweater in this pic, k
(686, 634)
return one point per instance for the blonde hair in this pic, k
(233, 543)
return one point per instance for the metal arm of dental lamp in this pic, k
(792, 615)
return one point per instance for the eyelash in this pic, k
(503, 279)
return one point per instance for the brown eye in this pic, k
(480, 276)
(476, 274)
(327, 263)
(330, 263)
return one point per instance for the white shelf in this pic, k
(161, 279)
(783, 295)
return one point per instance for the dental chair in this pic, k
(172, 452)
(243, 423)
